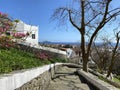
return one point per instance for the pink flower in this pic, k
(5, 23)
(1, 30)
(19, 35)
(43, 56)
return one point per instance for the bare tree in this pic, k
(87, 16)
(101, 56)
(114, 54)
(105, 55)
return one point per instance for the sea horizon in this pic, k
(72, 43)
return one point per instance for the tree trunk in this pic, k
(110, 70)
(110, 67)
(85, 62)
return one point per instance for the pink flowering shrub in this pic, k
(48, 58)
(5, 23)
(7, 33)
(6, 42)
(19, 35)
(43, 56)
(5, 26)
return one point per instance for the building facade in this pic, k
(32, 38)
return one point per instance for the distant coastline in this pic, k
(71, 43)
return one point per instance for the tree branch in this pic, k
(92, 19)
(99, 26)
(72, 22)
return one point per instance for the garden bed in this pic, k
(13, 59)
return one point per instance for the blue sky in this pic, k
(38, 12)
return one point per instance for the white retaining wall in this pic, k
(53, 50)
(15, 80)
(44, 48)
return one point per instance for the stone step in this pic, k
(82, 86)
(59, 86)
(65, 86)
(70, 79)
(59, 82)
(66, 69)
(65, 79)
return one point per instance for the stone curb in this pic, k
(96, 81)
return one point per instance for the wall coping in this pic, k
(51, 49)
(96, 81)
(16, 79)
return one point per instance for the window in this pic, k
(33, 36)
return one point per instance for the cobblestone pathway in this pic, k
(66, 79)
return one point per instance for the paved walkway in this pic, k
(66, 79)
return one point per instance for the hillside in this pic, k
(13, 59)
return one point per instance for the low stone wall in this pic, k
(104, 76)
(95, 81)
(39, 83)
(31, 79)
